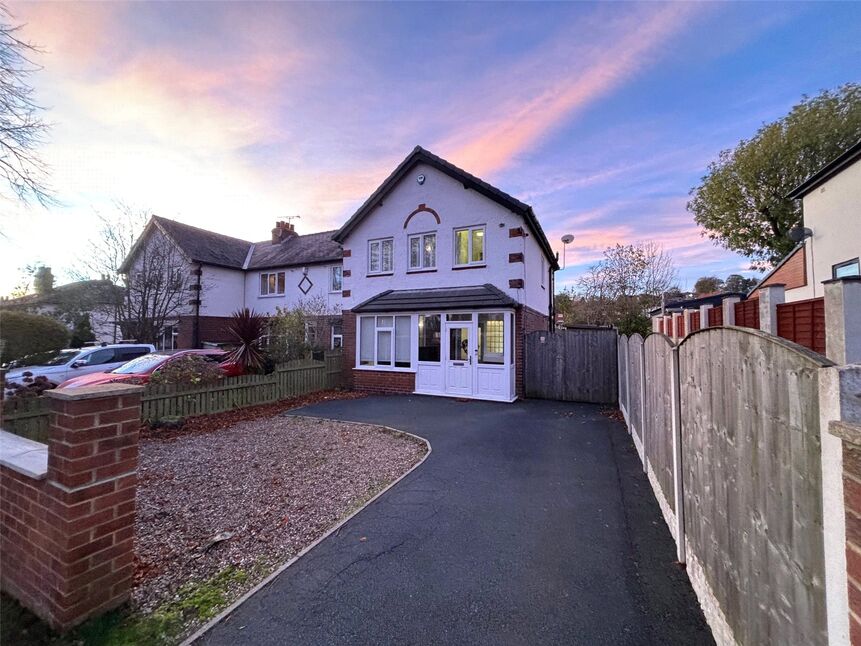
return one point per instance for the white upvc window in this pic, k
(336, 278)
(469, 246)
(422, 251)
(384, 341)
(381, 256)
(272, 284)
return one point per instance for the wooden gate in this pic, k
(577, 364)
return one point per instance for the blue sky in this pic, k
(230, 116)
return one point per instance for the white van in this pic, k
(64, 364)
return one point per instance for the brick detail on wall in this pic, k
(515, 257)
(346, 293)
(515, 232)
(347, 253)
(346, 273)
(67, 541)
(349, 345)
(515, 283)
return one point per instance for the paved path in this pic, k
(530, 523)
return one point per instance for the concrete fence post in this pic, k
(677, 316)
(643, 406)
(68, 514)
(843, 320)
(704, 316)
(678, 480)
(728, 305)
(770, 297)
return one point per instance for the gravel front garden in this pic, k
(252, 495)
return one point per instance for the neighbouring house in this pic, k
(226, 274)
(443, 276)
(831, 207)
(94, 300)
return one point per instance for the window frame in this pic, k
(421, 238)
(391, 330)
(332, 270)
(276, 293)
(381, 271)
(846, 263)
(470, 262)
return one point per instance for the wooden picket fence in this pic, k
(29, 417)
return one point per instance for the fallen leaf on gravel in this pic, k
(218, 538)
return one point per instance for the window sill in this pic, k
(270, 295)
(421, 271)
(383, 369)
(459, 267)
(389, 273)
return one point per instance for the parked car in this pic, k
(141, 369)
(62, 365)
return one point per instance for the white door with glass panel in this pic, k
(458, 364)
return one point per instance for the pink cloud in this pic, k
(493, 144)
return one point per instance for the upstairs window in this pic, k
(380, 256)
(423, 251)
(846, 269)
(336, 278)
(272, 284)
(469, 246)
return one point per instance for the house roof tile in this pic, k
(444, 298)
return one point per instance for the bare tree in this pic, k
(156, 291)
(626, 282)
(22, 130)
(112, 244)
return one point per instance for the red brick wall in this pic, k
(212, 328)
(852, 502)
(384, 381)
(67, 541)
(349, 362)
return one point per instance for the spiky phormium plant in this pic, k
(247, 326)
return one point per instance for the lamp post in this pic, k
(566, 240)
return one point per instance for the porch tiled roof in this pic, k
(476, 297)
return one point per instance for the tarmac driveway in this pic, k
(529, 523)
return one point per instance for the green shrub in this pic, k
(22, 334)
(190, 370)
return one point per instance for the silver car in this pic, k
(65, 364)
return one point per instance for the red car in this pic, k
(139, 370)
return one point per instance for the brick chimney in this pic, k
(282, 231)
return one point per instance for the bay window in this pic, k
(272, 284)
(422, 251)
(385, 341)
(380, 256)
(469, 246)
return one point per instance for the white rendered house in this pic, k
(443, 276)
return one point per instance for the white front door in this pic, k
(458, 358)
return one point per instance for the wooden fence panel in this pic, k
(803, 322)
(658, 431)
(716, 316)
(635, 389)
(26, 417)
(695, 321)
(747, 313)
(577, 364)
(622, 361)
(753, 483)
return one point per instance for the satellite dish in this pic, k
(799, 233)
(567, 238)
